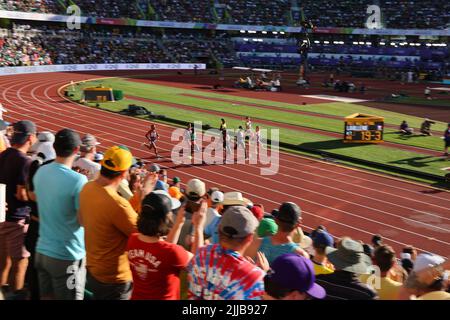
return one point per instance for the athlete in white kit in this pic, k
(240, 140)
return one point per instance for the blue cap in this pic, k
(322, 239)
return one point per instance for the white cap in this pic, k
(427, 260)
(195, 188)
(217, 197)
(46, 136)
(175, 202)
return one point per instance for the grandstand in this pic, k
(143, 195)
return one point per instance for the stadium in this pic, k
(224, 150)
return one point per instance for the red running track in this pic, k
(347, 201)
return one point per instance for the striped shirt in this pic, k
(216, 273)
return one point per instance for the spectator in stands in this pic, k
(220, 271)
(321, 240)
(227, 200)
(288, 219)
(425, 127)
(86, 162)
(14, 166)
(384, 259)
(4, 142)
(160, 184)
(98, 157)
(416, 287)
(405, 128)
(60, 246)
(349, 261)
(216, 199)
(159, 278)
(109, 220)
(267, 226)
(43, 148)
(377, 241)
(163, 178)
(407, 258)
(33, 229)
(175, 188)
(292, 278)
(194, 194)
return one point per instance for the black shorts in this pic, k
(447, 143)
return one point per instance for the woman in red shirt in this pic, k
(155, 258)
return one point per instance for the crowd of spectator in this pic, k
(22, 51)
(414, 14)
(40, 6)
(127, 231)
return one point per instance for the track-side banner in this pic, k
(101, 67)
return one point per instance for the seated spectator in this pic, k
(109, 220)
(220, 271)
(86, 162)
(288, 219)
(321, 240)
(60, 246)
(384, 259)
(405, 129)
(425, 127)
(292, 278)
(349, 262)
(159, 278)
(175, 188)
(416, 287)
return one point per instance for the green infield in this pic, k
(159, 96)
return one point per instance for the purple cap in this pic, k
(292, 271)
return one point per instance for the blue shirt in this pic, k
(57, 189)
(160, 185)
(212, 229)
(273, 251)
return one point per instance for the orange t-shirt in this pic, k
(108, 220)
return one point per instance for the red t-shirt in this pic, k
(156, 269)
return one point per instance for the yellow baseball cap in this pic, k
(117, 158)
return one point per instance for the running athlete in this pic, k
(223, 125)
(258, 137)
(152, 136)
(194, 146)
(187, 138)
